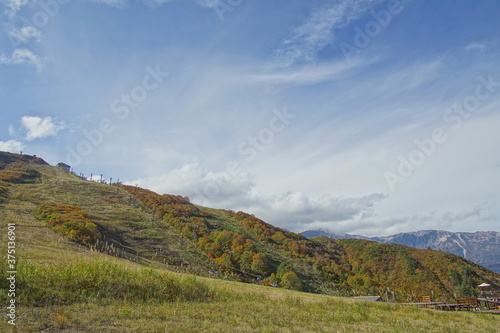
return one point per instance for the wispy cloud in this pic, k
(39, 128)
(411, 77)
(319, 31)
(22, 56)
(12, 131)
(24, 34)
(13, 6)
(208, 3)
(20, 35)
(475, 46)
(308, 75)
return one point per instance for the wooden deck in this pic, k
(477, 305)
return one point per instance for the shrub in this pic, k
(290, 280)
(19, 175)
(69, 221)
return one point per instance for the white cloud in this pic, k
(202, 186)
(24, 34)
(38, 128)
(12, 146)
(319, 31)
(294, 210)
(22, 56)
(14, 6)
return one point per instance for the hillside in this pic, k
(482, 247)
(80, 241)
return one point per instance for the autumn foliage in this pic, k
(69, 221)
(16, 173)
(237, 253)
(246, 248)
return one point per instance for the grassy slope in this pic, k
(232, 306)
(124, 222)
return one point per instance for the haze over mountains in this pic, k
(482, 247)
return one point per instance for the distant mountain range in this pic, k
(482, 247)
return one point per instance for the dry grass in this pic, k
(250, 313)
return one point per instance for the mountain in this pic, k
(59, 215)
(324, 232)
(482, 247)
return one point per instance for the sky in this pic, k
(356, 116)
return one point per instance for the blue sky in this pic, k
(367, 117)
